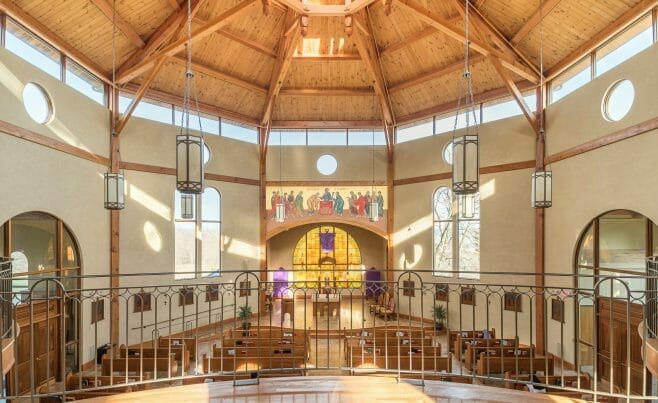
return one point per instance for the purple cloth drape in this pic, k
(327, 242)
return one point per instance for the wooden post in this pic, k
(390, 212)
(540, 268)
(263, 138)
(115, 159)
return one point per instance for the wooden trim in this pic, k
(491, 169)
(325, 183)
(46, 141)
(121, 23)
(621, 23)
(3, 25)
(154, 169)
(115, 242)
(29, 22)
(390, 192)
(326, 124)
(623, 134)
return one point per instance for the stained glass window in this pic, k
(327, 256)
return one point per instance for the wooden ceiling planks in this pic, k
(348, 108)
(509, 15)
(307, 73)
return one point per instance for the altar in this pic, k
(320, 301)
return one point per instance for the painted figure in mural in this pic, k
(360, 204)
(290, 205)
(327, 195)
(311, 202)
(316, 201)
(339, 203)
(284, 200)
(351, 200)
(277, 200)
(368, 200)
(299, 204)
(380, 203)
(273, 203)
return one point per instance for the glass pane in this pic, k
(626, 45)
(69, 251)
(327, 137)
(414, 131)
(86, 83)
(32, 49)
(360, 137)
(586, 248)
(572, 79)
(465, 212)
(469, 249)
(70, 279)
(443, 204)
(209, 124)
(622, 241)
(505, 108)
(211, 205)
(615, 281)
(585, 279)
(655, 240)
(185, 250)
(153, 110)
(618, 101)
(239, 131)
(210, 238)
(34, 242)
(124, 102)
(446, 123)
(177, 206)
(288, 137)
(443, 248)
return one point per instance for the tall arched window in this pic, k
(453, 218)
(198, 237)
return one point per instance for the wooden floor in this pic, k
(331, 389)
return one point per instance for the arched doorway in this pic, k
(613, 245)
(42, 246)
(327, 256)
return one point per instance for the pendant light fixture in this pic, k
(542, 178)
(467, 205)
(373, 208)
(466, 146)
(189, 147)
(280, 206)
(114, 198)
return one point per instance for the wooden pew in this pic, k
(237, 363)
(133, 365)
(509, 349)
(178, 353)
(499, 365)
(77, 381)
(460, 344)
(473, 334)
(189, 343)
(406, 362)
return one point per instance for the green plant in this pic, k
(440, 313)
(244, 312)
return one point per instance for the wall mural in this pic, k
(308, 204)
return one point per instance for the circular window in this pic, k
(618, 100)
(447, 153)
(37, 103)
(327, 164)
(206, 153)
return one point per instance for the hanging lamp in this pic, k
(280, 206)
(466, 145)
(189, 147)
(187, 205)
(542, 178)
(114, 198)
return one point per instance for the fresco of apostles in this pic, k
(339, 202)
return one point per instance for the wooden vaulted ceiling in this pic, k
(261, 60)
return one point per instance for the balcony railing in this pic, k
(501, 330)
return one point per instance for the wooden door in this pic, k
(614, 331)
(47, 338)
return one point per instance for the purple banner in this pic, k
(327, 242)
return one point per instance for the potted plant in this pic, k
(244, 313)
(440, 313)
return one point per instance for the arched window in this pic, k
(198, 236)
(456, 218)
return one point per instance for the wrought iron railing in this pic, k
(651, 308)
(6, 318)
(179, 332)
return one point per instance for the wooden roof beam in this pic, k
(163, 34)
(212, 72)
(367, 49)
(25, 19)
(516, 93)
(448, 29)
(327, 92)
(423, 78)
(122, 24)
(534, 20)
(289, 37)
(603, 36)
(144, 86)
(489, 33)
(428, 31)
(328, 58)
(180, 44)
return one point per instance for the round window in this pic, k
(618, 100)
(206, 153)
(447, 153)
(327, 164)
(37, 103)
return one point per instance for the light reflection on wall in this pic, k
(417, 256)
(240, 248)
(413, 229)
(487, 189)
(152, 236)
(149, 202)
